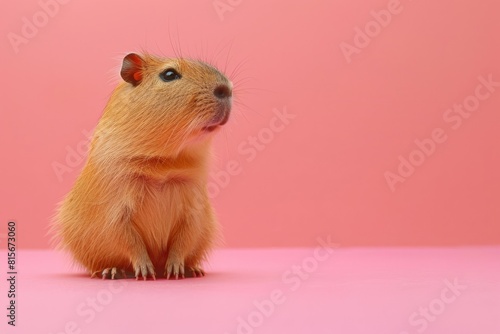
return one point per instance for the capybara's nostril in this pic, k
(222, 92)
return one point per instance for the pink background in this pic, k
(323, 173)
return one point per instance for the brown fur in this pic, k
(141, 201)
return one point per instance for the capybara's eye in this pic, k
(169, 75)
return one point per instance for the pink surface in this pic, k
(367, 82)
(349, 291)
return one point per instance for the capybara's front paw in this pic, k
(174, 267)
(144, 267)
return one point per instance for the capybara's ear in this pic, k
(132, 68)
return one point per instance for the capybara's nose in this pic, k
(222, 92)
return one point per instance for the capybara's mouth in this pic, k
(220, 119)
(211, 128)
